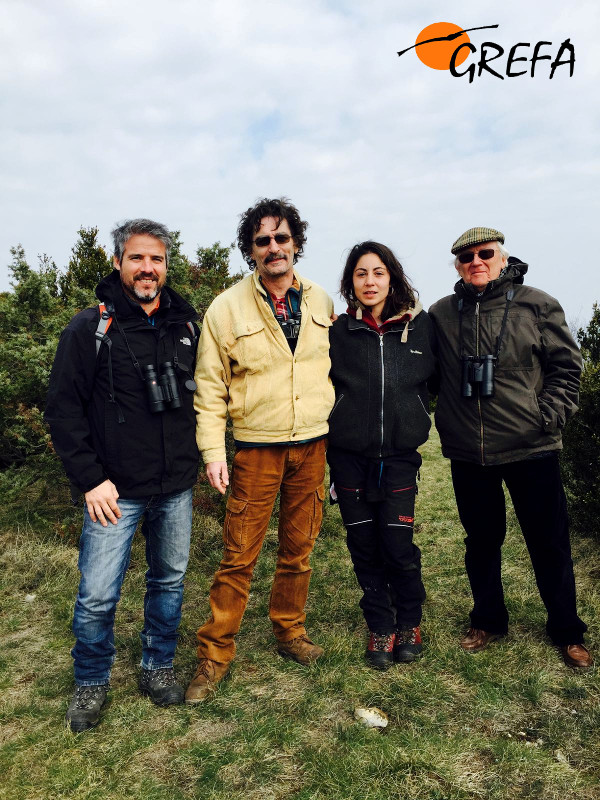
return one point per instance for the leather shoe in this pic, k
(476, 639)
(576, 656)
(300, 649)
(205, 681)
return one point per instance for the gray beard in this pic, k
(145, 298)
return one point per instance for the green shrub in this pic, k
(32, 316)
(581, 454)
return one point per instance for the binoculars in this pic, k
(162, 390)
(290, 327)
(478, 370)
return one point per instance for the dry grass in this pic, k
(511, 722)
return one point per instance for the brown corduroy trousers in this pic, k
(258, 474)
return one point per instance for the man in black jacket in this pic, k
(120, 411)
(509, 381)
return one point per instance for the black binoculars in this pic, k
(162, 390)
(478, 370)
(290, 327)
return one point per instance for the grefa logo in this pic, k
(445, 46)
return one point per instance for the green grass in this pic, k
(510, 722)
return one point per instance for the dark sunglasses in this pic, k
(265, 241)
(466, 258)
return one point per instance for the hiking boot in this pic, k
(205, 681)
(161, 686)
(301, 650)
(407, 646)
(83, 712)
(379, 652)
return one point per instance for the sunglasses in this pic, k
(466, 258)
(265, 241)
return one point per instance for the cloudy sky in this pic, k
(187, 111)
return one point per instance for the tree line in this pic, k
(43, 298)
(33, 314)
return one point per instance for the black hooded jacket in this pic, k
(536, 379)
(98, 436)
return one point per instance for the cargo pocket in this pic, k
(317, 517)
(234, 533)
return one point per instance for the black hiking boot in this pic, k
(379, 653)
(161, 686)
(83, 712)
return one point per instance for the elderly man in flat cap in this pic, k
(508, 382)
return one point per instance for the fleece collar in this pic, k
(406, 315)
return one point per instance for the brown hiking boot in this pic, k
(205, 681)
(300, 649)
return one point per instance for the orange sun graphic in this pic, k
(437, 55)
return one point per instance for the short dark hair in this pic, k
(122, 234)
(403, 295)
(280, 208)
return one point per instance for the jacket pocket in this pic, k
(334, 409)
(251, 348)
(234, 530)
(426, 410)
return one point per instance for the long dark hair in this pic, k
(402, 294)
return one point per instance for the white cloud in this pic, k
(189, 111)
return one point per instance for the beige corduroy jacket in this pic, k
(245, 368)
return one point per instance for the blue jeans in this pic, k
(103, 561)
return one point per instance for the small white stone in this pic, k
(371, 717)
(29, 598)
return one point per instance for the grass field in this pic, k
(510, 722)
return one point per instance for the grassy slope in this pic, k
(511, 722)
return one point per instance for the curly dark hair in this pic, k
(280, 208)
(402, 294)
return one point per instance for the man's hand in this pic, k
(101, 503)
(333, 316)
(218, 476)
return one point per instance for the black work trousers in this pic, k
(538, 497)
(377, 503)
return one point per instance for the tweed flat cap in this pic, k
(476, 236)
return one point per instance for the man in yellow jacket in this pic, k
(263, 357)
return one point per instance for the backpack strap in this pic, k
(106, 311)
(192, 330)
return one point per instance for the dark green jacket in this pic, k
(536, 376)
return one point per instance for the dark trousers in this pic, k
(536, 490)
(377, 503)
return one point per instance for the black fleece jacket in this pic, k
(142, 453)
(382, 404)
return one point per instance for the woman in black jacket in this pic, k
(381, 357)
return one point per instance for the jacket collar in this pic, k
(513, 273)
(109, 290)
(360, 317)
(256, 282)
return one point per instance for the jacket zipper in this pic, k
(382, 390)
(481, 429)
(381, 335)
